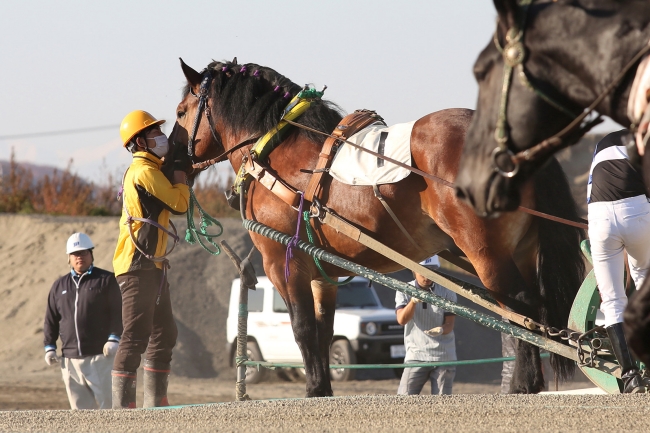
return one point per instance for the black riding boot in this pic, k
(632, 381)
(156, 378)
(124, 383)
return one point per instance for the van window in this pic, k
(356, 295)
(278, 303)
(256, 300)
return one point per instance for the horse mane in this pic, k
(250, 99)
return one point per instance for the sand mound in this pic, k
(32, 250)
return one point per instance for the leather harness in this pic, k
(349, 125)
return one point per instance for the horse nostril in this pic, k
(460, 193)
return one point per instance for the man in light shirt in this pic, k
(428, 337)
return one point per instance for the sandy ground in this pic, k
(46, 393)
(50, 394)
(367, 413)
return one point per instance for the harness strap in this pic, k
(381, 199)
(347, 127)
(273, 183)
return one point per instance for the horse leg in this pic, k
(324, 307)
(514, 294)
(300, 304)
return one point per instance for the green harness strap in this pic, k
(310, 236)
(194, 235)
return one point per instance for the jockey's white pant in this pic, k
(88, 381)
(614, 226)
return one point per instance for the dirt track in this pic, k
(466, 413)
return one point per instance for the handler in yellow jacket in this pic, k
(140, 263)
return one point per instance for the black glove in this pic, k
(182, 160)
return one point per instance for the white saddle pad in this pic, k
(356, 167)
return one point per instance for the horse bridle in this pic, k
(514, 55)
(203, 106)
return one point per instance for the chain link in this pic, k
(586, 352)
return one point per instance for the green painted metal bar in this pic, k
(274, 365)
(468, 313)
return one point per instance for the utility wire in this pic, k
(61, 132)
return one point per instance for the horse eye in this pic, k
(180, 114)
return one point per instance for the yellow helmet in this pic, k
(134, 122)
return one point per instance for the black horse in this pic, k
(563, 55)
(570, 52)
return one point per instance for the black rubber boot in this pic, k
(156, 378)
(632, 381)
(124, 383)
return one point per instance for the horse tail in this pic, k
(560, 265)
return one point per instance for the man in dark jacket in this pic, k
(84, 308)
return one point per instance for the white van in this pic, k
(364, 331)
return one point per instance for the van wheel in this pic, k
(253, 375)
(341, 353)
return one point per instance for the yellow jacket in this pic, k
(147, 194)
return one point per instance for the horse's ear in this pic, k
(507, 10)
(193, 77)
(234, 61)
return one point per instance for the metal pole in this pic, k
(242, 323)
(468, 313)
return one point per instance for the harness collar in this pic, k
(269, 141)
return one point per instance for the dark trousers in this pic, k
(147, 326)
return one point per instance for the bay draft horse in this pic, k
(532, 266)
(573, 52)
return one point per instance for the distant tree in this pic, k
(16, 188)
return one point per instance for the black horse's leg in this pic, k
(527, 377)
(298, 296)
(305, 331)
(515, 294)
(324, 306)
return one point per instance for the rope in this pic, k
(293, 242)
(310, 235)
(201, 235)
(274, 365)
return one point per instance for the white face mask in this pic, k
(162, 145)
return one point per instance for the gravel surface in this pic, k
(466, 413)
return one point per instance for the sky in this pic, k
(79, 64)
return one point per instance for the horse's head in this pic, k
(203, 146)
(546, 62)
(228, 104)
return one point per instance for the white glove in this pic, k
(51, 358)
(416, 300)
(110, 348)
(434, 332)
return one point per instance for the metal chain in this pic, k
(586, 351)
